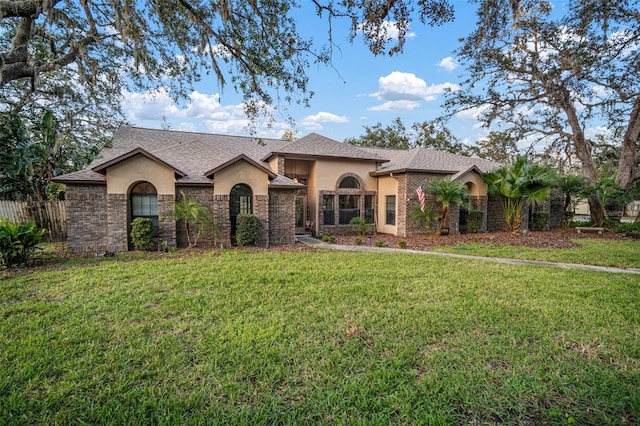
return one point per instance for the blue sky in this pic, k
(360, 89)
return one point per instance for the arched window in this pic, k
(349, 182)
(144, 203)
(240, 202)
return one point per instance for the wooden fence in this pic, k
(50, 215)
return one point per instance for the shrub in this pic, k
(380, 244)
(328, 238)
(539, 221)
(627, 228)
(18, 242)
(475, 218)
(247, 233)
(402, 244)
(360, 225)
(142, 233)
(358, 241)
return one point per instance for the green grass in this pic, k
(600, 252)
(259, 337)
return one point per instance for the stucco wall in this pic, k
(139, 168)
(387, 185)
(241, 172)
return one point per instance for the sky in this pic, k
(358, 90)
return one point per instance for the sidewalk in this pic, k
(314, 242)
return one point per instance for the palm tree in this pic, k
(447, 192)
(192, 212)
(517, 185)
(572, 187)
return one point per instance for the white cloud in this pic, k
(389, 30)
(314, 122)
(202, 113)
(404, 91)
(395, 106)
(448, 63)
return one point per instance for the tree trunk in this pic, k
(583, 151)
(597, 210)
(630, 147)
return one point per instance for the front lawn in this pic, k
(261, 337)
(600, 252)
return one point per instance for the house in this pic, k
(313, 184)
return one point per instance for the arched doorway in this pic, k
(143, 202)
(240, 202)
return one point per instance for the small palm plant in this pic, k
(517, 185)
(193, 214)
(446, 193)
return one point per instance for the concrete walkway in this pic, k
(314, 242)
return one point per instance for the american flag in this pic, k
(420, 193)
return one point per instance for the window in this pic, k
(349, 182)
(144, 203)
(328, 210)
(368, 208)
(349, 208)
(390, 217)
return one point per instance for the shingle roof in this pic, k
(315, 145)
(194, 154)
(424, 159)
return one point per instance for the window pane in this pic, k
(328, 210)
(349, 208)
(349, 183)
(368, 208)
(390, 217)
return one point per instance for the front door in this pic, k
(301, 214)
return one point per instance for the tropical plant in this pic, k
(426, 217)
(360, 225)
(573, 188)
(446, 193)
(518, 185)
(196, 218)
(142, 233)
(18, 242)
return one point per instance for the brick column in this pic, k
(282, 221)
(117, 224)
(166, 221)
(221, 216)
(261, 211)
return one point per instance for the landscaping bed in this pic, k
(557, 238)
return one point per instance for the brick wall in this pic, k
(166, 222)
(221, 214)
(117, 223)
(282, 218)
(407, 199)
(261, 211)
(86, 218)
(203, 194)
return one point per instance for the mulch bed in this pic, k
(557, 238)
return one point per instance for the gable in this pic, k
(122, 174)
